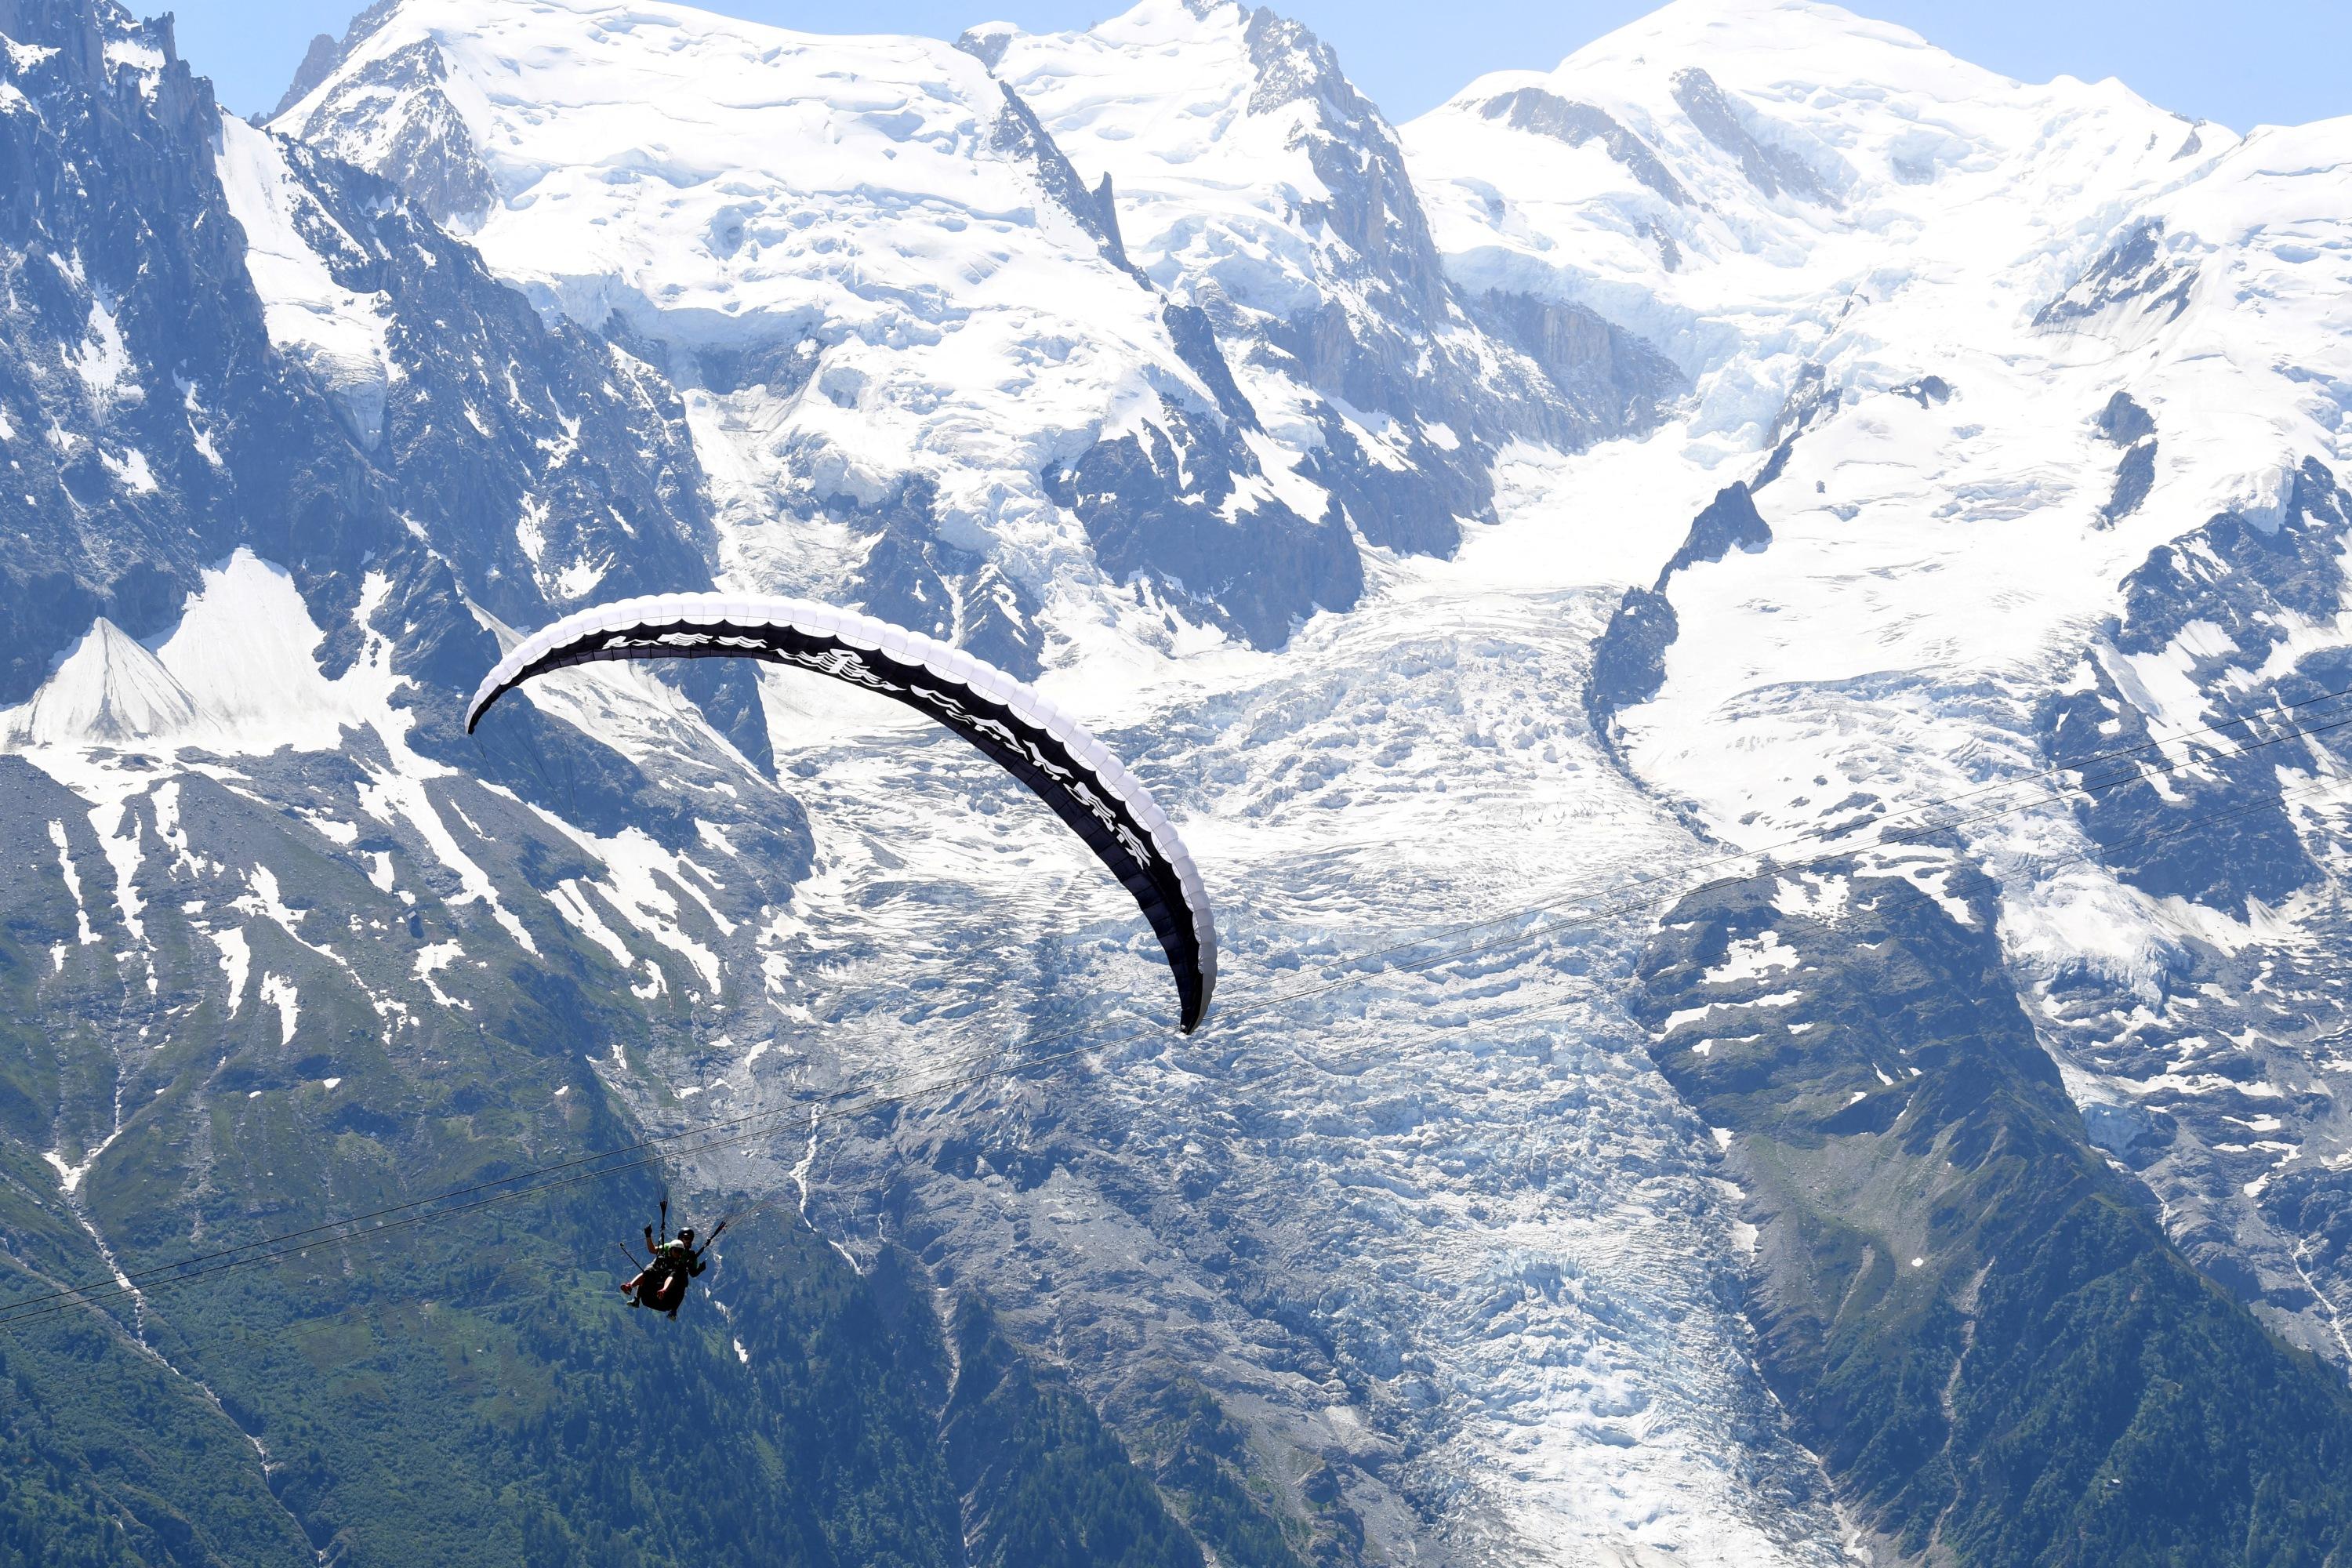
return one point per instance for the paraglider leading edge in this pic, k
(1016, 726)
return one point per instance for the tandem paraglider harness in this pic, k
(676, 1262)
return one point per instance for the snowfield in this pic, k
(840, 248)
(1938, 282)
(2026, 384)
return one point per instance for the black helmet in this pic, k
(686, 1233)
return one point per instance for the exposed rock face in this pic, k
(327, 51)
(1018, 133)
(2124, 421)
(1977, 1322)
(1478, 532)
(230, 341)
(2249, 584)
(1629, 664)
(1149, 518)
(1771, 168)
(1548, 114)
(2130, 426)
(1613, 383)
(823, 315)
(2135, 279)
(427, 150)
(1730, 522)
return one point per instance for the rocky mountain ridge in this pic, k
(1762, 429)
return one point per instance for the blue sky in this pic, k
(2241, 62)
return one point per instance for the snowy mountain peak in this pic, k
(1259, 188)
(2029, 399)
(576, 103)
(1770, 37)
(1172, 21)
(821, 240)
(904, 303)
(1720, 163)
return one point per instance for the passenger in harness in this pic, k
(661, 1284)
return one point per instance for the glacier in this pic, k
(1937, 336)
(1746, 438)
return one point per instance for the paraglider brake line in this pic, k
(737, 1131)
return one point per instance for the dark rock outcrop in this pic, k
(1977, 1322)
(2239, 586)
(1769, 166)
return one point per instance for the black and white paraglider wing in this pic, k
(1016, 726)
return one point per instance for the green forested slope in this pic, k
(1978, 1324)
(472, 1391)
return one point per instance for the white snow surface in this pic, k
(1473, 1179)
(341, 336)
(105, 688)
(1920, 549)
(279, 992)
(840, 202)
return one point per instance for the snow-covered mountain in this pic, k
(2051, 386)
(901, 321)
(1252, 182)
(938, 333)
(1626, 474)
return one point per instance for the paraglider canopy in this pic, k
(1014, 724)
